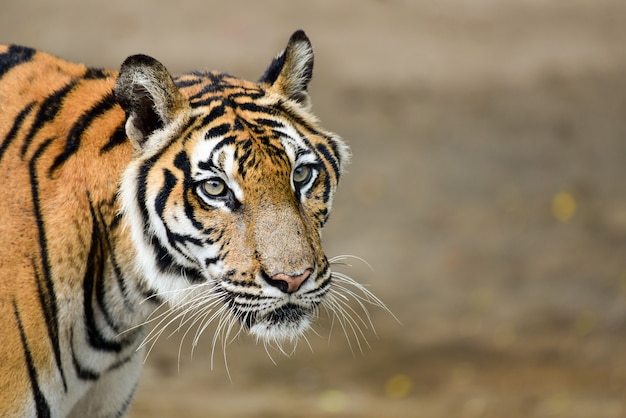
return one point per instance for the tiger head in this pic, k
(229, 187)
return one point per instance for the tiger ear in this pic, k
(290, 72)
(148, 95)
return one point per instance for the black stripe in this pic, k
(82, 372)
(141, 181)
(93, 277)
(165, 261)
(269, 122)
(16, 55)
(181, 84)
(80, 126)
(47, 112)
(324, 214)
(141, 189)
(119, 276)
(167, 264)
(47, 295)
(95, 74)
(333, 144)
(17, 124)
(124, 406)
(51, 325)
(208, 163)
(118, 138)
(246, 145)
(122, 362)
(99, 271)
(216, 82)
(217, 131)
(196, 102)
(212, 260)
(160, 202)
(43, 409)
(181, 161)
(220, 235)
(253, 94)
(323, 149)
(324, 286)
(253, 107)
(216, 112)
(209, 88)
(295, 117)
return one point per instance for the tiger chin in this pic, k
(125, 191)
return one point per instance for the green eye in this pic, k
(302, 174)
(214, 187)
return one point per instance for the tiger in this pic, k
(130, 190)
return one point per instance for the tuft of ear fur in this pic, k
(148, 95)
(290, 72)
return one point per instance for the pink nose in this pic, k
(290, 284)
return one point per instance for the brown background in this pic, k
(466, 118)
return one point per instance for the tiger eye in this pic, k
(214, 187)
(301, 174)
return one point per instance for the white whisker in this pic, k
(221, 314)
(345, 309)
(368, 296)
(343, 293)
(232, 321)
(339, 260)
(185, 311)
(336, 310)
(266, 346)
(204, 323)
(308, 343)
(148, 320)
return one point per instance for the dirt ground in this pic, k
(487, 192)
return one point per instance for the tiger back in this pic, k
(124, 191)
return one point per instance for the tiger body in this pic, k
(127, 190)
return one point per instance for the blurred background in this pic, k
(487, 192)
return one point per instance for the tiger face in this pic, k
(230, 185)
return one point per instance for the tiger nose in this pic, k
(287, 283)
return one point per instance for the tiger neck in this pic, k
(113, 288)
(111, 280)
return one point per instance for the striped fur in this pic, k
(124, 191)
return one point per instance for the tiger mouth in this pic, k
(286, 322)
(286, 314)
(272, 318)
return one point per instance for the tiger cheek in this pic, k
(317, 208)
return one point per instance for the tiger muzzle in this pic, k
(282, 245)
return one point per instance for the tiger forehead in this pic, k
(203, 88)
(244, 142)
(239, 121)
(248, 147)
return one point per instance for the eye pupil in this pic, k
(301, 174)
(214, 187)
